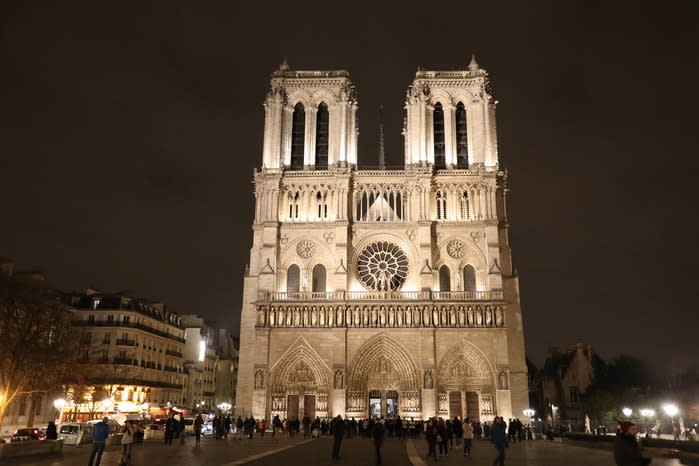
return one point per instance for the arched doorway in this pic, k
(382, 381)
(299, 385)
(465, 384)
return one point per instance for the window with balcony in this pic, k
(318, 278)
(469, 278)
(293, 279)
(444, 278)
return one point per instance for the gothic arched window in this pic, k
(298, 136)
(322, 121)
(461, 137)
(318, 278)
(438, 125)
(469, 278)
(463, 204)
(444, 279)
(441, 205)
(293, 279)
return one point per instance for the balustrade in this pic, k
(427, 295)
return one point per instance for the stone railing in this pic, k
(312, 296)
(373, 315)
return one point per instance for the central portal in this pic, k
(383, 403)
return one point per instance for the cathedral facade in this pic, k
(380, 292)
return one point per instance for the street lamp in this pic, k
(647, 412)
(627, 412)
(670, 409)
(59, 404)
(107, 404)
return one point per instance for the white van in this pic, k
(75, 433)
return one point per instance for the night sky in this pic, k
(129, 134)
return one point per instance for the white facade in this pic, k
(384, 292)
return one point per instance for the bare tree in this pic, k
(37, 342)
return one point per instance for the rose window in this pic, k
(456, 249)
(306, 248)
(382, 266)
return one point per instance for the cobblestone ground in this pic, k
(284, 451)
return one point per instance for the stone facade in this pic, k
(381, 292)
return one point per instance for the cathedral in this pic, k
(381, 292)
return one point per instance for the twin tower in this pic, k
(380, 292)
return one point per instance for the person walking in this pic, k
(432, 437)
(379, 435)
(468, 437)
(180, 428)
(170, 428)
(338, 430)
(498, 438)
(442, 438)
(627, 451)
(99, 438)
(198, 425)
(126, 444)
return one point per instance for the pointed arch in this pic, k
(322, 139)
(382, 353)
(461, 136)
(469, 278)
(439, 138)
(464, 367)
(298, 136)
(319, 278)
(444, 278)
(299, 370)
(293, 279)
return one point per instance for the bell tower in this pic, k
(310, 120)
(450, 119)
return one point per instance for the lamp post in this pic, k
(671, 410)
(59, 404)
(627, 412)
(107, 404)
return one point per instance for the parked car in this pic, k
(29, 433)
(75, 433)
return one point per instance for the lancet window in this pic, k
(298, 135)
(438, 125)
(441, 205)
(319, 281)
(322, 122)
(444, 278)
(461, 137)
(463, 206)
(469, 278)
(322, 205)
(293, 279)
(294, 200)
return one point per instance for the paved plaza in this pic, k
(297, 451)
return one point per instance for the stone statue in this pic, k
(339, 383)
(502, 380)
(259, 380)
(428, 379)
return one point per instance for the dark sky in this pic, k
(129, 132)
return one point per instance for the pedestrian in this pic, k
(263, 428)
(379, 434)
(442, 438)
(468, 437)
(99, 438)
(51, 432)
(432, 437)
(627, 451)
(338, 430)
(498, 438)
(198, 425)
(126, 444)
(180, 428)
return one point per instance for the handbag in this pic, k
(439, 438)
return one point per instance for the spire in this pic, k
(284, 66)
(382, 155)
(473, 64)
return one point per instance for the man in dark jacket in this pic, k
(379, 435)
(338, 430)
(99, 438)
(498, 438)
(627, 452)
